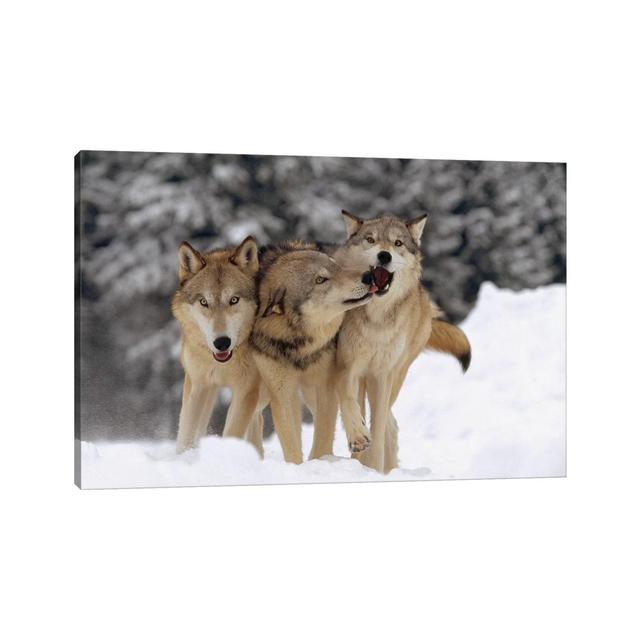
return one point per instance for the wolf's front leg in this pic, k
(195, 413)
(325, 413)
(354, 425)
(379, 393)
(287, 421)
(281, 385)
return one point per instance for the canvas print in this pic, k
(246, 319)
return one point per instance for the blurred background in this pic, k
(502, 222)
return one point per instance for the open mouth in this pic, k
(354, 300)
(382, 279)
(222, 356)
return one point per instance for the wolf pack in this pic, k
(335, 327)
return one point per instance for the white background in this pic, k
(480, 80)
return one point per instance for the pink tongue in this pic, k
(221, 355)
(380, 277)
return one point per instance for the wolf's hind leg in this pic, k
(242, 409)
(391, 434)
(195, 413)
(254, 432)
(391, 444)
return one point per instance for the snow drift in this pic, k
(504, 419)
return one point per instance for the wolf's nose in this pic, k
(222, 343)
(384, 257)
(367, 278)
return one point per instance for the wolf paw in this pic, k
(359, 442)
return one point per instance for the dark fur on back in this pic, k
(289, 349)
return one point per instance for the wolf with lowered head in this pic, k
(304, 295)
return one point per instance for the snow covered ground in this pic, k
(504, 419)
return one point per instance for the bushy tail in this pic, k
(447, 338)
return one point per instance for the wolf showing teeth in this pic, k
(378, 342)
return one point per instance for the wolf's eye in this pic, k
(203, 302)
(398, 243)
(370, 240)
(234, 300)
(320, 280)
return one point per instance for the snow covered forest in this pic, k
(499, 222)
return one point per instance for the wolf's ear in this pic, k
(275, 305)
(190, 262)
(353, 223)
(416, 227)
(246, 255)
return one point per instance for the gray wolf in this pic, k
(216, 306)
(303, 297)
(378, 342)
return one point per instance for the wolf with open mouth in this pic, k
(215, 306)
(378, 342)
